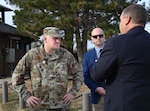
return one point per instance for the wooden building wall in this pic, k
(11, 50)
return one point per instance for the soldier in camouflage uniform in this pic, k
(49, 66)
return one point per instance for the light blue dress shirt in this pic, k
(98, 51)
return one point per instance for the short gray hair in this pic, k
(138, 13)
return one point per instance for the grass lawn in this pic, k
(13, 100)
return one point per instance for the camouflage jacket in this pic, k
(49, 76)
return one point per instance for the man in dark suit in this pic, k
(125, 64)
(90, 57)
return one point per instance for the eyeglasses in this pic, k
(100, 36)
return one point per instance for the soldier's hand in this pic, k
(33, 101)
(68, 98)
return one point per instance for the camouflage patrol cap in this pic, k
(52, 31)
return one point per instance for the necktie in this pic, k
(99, 53)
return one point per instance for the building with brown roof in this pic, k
(13, 45)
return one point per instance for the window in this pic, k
(18, 44)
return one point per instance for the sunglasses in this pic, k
(100, 36)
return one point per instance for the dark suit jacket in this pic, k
(125, 64)
(90, 58)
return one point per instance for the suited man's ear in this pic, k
(128, 20)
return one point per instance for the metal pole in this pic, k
(5, 91)
(22, 103)
(86, 105)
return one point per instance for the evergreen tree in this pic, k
(75, 17)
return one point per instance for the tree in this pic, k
(75, 17)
